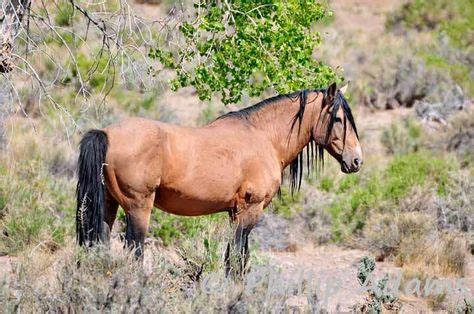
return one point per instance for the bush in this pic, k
(327, 184)
(37, 193)
(65, 13)
(360, 196)
(460, 137)
(42, 211)
(402, 138)
(411, 239)
(450, 22)
(454, 18)
(416, 169)
(104, 281)
(94, 70)
(171, 228)
(286, 204)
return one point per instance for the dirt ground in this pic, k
(333, 264)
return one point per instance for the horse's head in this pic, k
(335, 130)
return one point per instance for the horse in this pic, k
(234, 164)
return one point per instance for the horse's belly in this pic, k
(187, 205)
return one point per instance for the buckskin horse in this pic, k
(233, 164)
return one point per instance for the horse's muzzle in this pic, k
(353, 166)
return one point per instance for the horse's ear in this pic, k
(343, 89)
(332, 91)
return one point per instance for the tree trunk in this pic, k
(11, 17)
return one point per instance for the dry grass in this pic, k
(412, 240)
(100, 280)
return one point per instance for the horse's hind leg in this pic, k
(237, 253)
(138, 216)
(111, 207)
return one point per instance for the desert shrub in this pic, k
(209, 114)
(386, 189)
(382, 235)
(452, 25)
(42, 210)
(96, 281)
(286, 204)
(348, 182)
(402, 138)
(94, 71)
(401, 234)
(414, 230)
(107, 281)
(36, 226)
(455, 211)
(64, 13)
(327, 184)
(460, 136)
(417, 169)
(37, 190)
(451, 17)
(411, 239)
(143, 104)
(171, 228)
(378, 296)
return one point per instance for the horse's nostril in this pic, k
(357, 162)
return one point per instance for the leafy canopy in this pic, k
(232, 47)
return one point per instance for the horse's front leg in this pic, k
(237, 253)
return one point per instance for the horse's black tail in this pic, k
(91, 187)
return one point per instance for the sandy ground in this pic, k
(334, 270)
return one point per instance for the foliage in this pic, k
(452, 25)
(402, 138)
(237, 47)
(97, 72)
(327, 184)
(65, 13)
(377, 294)
(101, 280)
(358, 197)
(286, 204)
(365, 268)
(36, 191)
(454, 18)
(43, 209)
(171, 228)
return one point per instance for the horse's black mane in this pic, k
(313, 156)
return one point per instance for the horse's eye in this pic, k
(338, 120)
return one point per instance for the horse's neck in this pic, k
(277, 121)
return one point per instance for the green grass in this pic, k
(36, 205)
(171, 228)
(455, 18)
(327, 184)
(402, 137)
(43, 211)
(286, 205)
(64, 14)
(451, 19)
(380, 191)
(94, 70)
